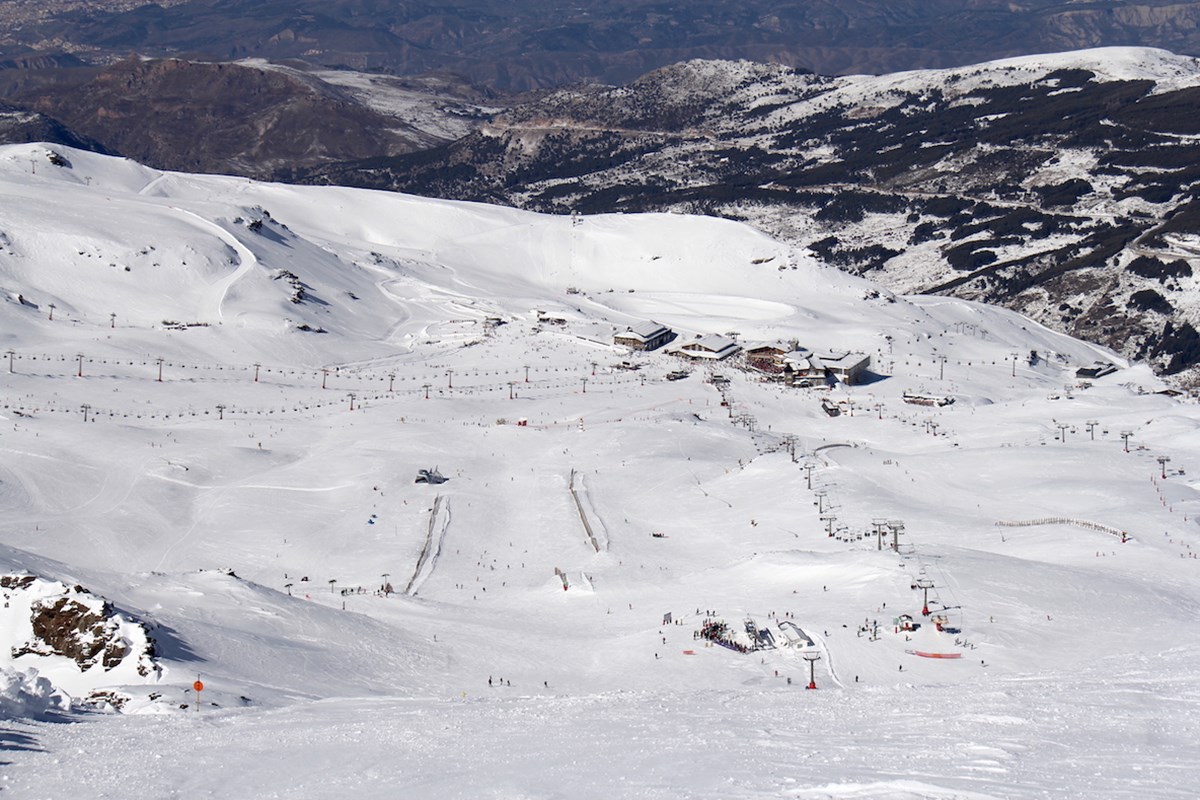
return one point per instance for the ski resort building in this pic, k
(712, 347)
(847, 367)
(767, 357)
(803, 368)
(644, 336)
(1098, 369)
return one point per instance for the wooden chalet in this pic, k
(767, 357)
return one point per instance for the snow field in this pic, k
(1074, 677)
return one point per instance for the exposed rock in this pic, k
(75, 624)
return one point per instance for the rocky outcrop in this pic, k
(72, 623)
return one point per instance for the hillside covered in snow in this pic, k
(371, 469)
(1063, 186)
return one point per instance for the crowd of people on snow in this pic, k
(717, 632)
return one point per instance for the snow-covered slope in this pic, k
(222, 442)
(1062, 185)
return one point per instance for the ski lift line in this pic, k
(343, 371)
(1079, 523)
(954, 603)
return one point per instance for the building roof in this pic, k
(713, 342)
(758, 347)
(803, 361)
(711, 346)
(1098, 369)
(843, 360)
(644, 331)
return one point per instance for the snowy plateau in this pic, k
(218, 394)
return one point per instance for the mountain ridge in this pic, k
(521, 46)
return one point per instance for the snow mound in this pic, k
(26, 694)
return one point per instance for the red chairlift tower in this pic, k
(812, 657)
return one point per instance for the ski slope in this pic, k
(318, 346)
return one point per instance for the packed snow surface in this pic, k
(217, 397)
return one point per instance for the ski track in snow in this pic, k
(214, 304)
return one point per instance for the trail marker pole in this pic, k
(198, 686)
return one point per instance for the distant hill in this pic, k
(522, 45)
(1066, 186)
(251, 118)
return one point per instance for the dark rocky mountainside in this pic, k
(522, 45)
(19, 125)
(251, 119)
(1066, 187)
